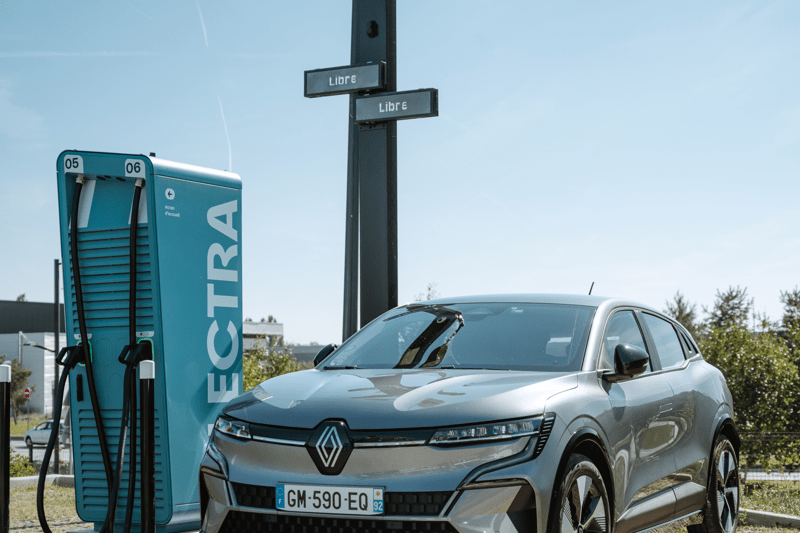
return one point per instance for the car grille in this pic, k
(239, 521)
(394, 503)
(415, 503)
(254, 496)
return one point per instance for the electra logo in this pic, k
(222, 281)
(330, 447)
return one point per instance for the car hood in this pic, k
(386, 399)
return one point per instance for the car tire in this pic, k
(581, 503)
(721, 511)
(28, 442)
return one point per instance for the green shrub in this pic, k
(20, 466)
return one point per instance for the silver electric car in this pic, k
(540, 413)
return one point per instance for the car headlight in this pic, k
(487, 432)
(233, 428)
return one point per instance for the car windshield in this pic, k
(495, 336)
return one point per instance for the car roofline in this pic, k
(541, 298)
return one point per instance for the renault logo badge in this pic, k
(330, 447)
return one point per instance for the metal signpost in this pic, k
(5, 447)
(375, 108)
(147, 375)
(28, 406)
(56, 349)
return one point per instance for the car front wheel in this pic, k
(721, 512)
(581, 501)
(28, 442)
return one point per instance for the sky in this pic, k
(648, 147)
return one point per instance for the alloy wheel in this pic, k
(727, 490)
(584, 511)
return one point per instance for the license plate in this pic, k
(329, 499)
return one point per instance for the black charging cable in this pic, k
(68, 357)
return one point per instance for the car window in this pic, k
(691, 349)
(501, 336)
(622, 328)
(668, 346)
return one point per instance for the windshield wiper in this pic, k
(340, 367)
(443, 319)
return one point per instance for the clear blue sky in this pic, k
(646, 146)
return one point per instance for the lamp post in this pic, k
(56, 458)
(57, 347)
(19, 358)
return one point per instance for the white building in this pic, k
(255, 334)
(38, 361)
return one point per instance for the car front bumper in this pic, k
(423, 489)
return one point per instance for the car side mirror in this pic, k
(629, 362)
(323, 353)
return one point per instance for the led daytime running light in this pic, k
(235, 429)
(485, 432)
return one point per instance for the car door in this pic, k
(638, 432)
(43, 434)
(691, 406)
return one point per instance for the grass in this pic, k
(59, 506)
(753, 529)
(19, 429)
(781, 497)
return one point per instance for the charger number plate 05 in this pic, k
(329, 499)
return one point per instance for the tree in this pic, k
(791, 334)
(19, 379)
(430, 294)
(267, 360)
(763, 380)
(731, 308)
(683, 312)
(791, 308)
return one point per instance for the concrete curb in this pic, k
(32, 481)
(765, 519)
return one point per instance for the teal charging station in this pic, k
(188, 305)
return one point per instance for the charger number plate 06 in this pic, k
(329, 499)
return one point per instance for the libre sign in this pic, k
(342, 80)
(397, 106)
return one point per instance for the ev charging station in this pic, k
(187, 276)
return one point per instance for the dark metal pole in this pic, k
(350, 324)
(147, 374)
(374, 40)
(57, 345)
(5, 445)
